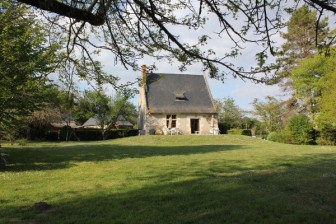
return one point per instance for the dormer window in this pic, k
(180, 97)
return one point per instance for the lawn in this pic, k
(169, 179)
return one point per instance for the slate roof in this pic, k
(91, 122)
(178, 93)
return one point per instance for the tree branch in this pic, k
(324, 4)
(67, 10)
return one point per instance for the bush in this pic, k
(68, 134)
(237, 131)
(247, 132)
(283, 137)
(22, 142)
(327, 136)
(260, 133)
(91, 134)
(120, 133)
(274, 137)
(223, 128)
(301, 130)
(95, 134)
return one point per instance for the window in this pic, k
(180, 97)
(171, 121)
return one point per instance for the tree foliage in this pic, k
(270, 113)
(301, 130)
(308, 70)
(313, 82)
(229, 113)
(25, 62)
(131, 29)
(304, 37)
(305, 78)
(327, 101)
(55, 105)
(105, 109)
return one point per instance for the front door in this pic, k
(194, 124)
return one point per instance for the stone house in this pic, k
(176, 102)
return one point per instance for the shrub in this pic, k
(89, 134)
(120, 133)
(22, 142)
(274, 137)
(327, 136)
(223, 128)
(301, 130)
(95, 134)
(247, 132)
(92, 134)
(282, 137)
(260, 133)
(237, 131)
(68, 134)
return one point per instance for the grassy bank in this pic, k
(170, 179)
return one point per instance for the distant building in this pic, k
(121, 123)
(91, 123)
(176, 101)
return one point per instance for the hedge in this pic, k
(91, 134)
(246, 132)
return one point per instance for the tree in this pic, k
(270, 113)
(123, 107)
(131, 29)
(301, 130)
(229, 113)
(25, 62)
(100, 106)
(51, 111)
(106, 109)
(304, 37)
(305, 78)
(313, 82)
(327, 101)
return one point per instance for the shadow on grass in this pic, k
(49, 158)
(300, 193)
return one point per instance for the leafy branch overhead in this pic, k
(131, 29)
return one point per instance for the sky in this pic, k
(243, 92)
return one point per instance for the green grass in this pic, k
(170, 179)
